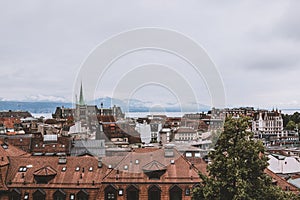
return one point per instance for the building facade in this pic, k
(147, 173)
(267, 123)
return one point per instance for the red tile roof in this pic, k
(281, 182)
(67, 174)
(131, 168)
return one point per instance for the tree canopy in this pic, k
(237, 167)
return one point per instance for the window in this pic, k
(77, 169)
(72, 196)
(175, 193)
(197, 155)
(155, 175)
(154, 193)
(15, 195)
(82, 195)
(110, 193)
(121, 192)
(187, 192)
(26, 196)
(188, 154)
(22, 169)
(132, 193)
(64, 169)
(91, 169)
(39, 195)
(59, 195)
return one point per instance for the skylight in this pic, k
(22, 169)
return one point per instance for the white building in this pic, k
(185, 134)
(283, 165)
(266, 123)
(145, 131)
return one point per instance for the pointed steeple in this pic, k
(81, 99)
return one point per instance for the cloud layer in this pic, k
(255, 44)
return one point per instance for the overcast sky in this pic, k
(254, 44)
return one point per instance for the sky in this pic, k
(254, 45)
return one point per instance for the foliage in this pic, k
(291, 125)
(237, 168)
(294, 117)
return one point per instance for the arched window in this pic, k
(82, 195)
(15, 194)
(132, 193)
(154, 192)
(175, 193)
(39, 195)
(110, 193)
(59, 195)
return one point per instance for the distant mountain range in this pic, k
(132, 105)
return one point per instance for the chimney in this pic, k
(99, 162)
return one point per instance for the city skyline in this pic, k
(253, 44)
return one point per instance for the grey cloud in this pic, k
(42, 44)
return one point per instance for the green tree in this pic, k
(237, 168)
(291, 125)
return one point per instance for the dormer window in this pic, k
(44, 175)
(154, 170)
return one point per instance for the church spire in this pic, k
(81, 99)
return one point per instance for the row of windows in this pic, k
(154, 193)
(41, 195)
(111, 193)
(54, 145)
(186, 138)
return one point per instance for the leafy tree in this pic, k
(291, 125)
(287, 118)
(237, 168)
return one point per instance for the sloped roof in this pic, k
(87, 173)
(2, 180)
(132, 168)
(10, 150)
(281, 182)
(93, 147)
(295, 182)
